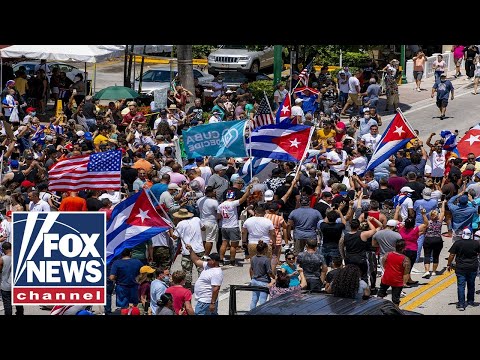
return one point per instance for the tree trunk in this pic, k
(129, 71)
(185, 68)
(125, 66)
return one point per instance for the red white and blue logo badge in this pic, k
(58, 258)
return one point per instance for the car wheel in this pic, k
(255, 67)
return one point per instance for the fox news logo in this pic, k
(59, 258)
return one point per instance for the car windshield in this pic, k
(156, 76)
(236, 47)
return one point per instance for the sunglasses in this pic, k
(290, 258)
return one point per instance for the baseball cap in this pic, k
(339, 145)
(298, 100)
(427, 193)
(130, 311)
(366, 109)
(173, 186)
(213, 256)
(477, 175)
(463, 200)
(27, 183)
(88, 136)
(268, 195)
(147, 270)
(466, 234)
(14, 163)
(220, 167)
(80, 133)
(31, 109)
(199, 159)
(406, 189)
(392, 223)
(8, 213)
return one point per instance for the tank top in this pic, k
(6, 284)
(355, 248)
(393, 269)
(434, 229)
(375, 215)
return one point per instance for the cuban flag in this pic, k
(469, 143)
(284, 112)
(449, 140)
(396, 136)
(39, 135)
(284, 141)
(133, 221)
(260, 167)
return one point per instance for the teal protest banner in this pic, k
(221, 139)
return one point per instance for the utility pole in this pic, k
(185, 68)
(277, 64)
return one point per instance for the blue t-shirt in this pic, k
(443, 89)
(126, 270)
(365, 126)
(158, 189)
(305, 220)
(294, 281)
(309, 103)
(428, 205)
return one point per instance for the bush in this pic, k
(258, 87)
(355, 59)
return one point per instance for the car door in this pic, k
(240, 295)
(266, 57)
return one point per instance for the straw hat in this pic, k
(125, 111)
(183, 214)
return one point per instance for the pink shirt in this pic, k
(177, 178)
(458, 51)
(410, 236)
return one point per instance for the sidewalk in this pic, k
(409, 96)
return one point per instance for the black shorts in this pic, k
(442, 103)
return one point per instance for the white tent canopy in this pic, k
(81, 53)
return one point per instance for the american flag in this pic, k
(263, 116)
(94, 171)
(304, 75)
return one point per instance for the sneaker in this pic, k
(460, 307)
(434, 273)
(416, 271)
(418, 89)
(403, 294)
(472, 303)
(474, 93)
(426, 275)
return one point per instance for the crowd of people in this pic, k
(343, 230)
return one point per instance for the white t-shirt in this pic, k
(213, 119)
(335, 157)
(113, 196)
(407, 204)
(208, 209)
(352, 82)
(258, 229)
(359, 165)
(40, 206)
(190, 232)
(371, 141)
(343, 84)
(206, 172)
(228, 210)
(203, 286)
(160, 239)
(438, 161)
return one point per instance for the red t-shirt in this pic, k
(180, 295)
(394, 269)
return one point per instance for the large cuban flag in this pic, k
(284, 141)
(470, 143)
(133, 222)
(395, 137)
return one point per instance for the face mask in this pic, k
(166, 280)
(219, 81)
(33, 113)
(366, 116)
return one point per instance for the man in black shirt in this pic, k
(324, 203)
(465, 252)
(384, 192)
(128, 174)
(293, 200)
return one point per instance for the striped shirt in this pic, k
(278, 222)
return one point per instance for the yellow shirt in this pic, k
(99, 139)
(322, 137)
(21, 85)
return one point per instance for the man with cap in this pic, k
(218, 181)
(462, 214)
(189, 231)
(428, 204)
(31, 112)
(386, 239)
(443, 89)
(297, 113)
(128, 173)
(169, 199)
(465, 252)
(207, 286)
(405, 202)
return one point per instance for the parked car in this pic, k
(233, 79)
(70, 70)
(239, 57)
(160, 77)
(311, 303)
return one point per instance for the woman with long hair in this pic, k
(348, 284)
(281, 285)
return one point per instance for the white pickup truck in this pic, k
(239, 58)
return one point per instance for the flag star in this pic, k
(284, 109)
(473, 139)
(399, 130)
(143, 214)
(294, 142)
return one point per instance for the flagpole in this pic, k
(306, 151)
(406, 121)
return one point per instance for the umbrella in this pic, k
(116, 93)
(302, 89)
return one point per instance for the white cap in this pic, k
(406, 189)
(268, 195)
(173, 186)
(392, 223)
(298, 100)
(466, 234)
(220, 167)
(80, 133)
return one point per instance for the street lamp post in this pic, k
(402, 63)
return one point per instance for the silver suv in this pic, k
(238, 57)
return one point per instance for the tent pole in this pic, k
(1, 73)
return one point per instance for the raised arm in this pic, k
(195, 259)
